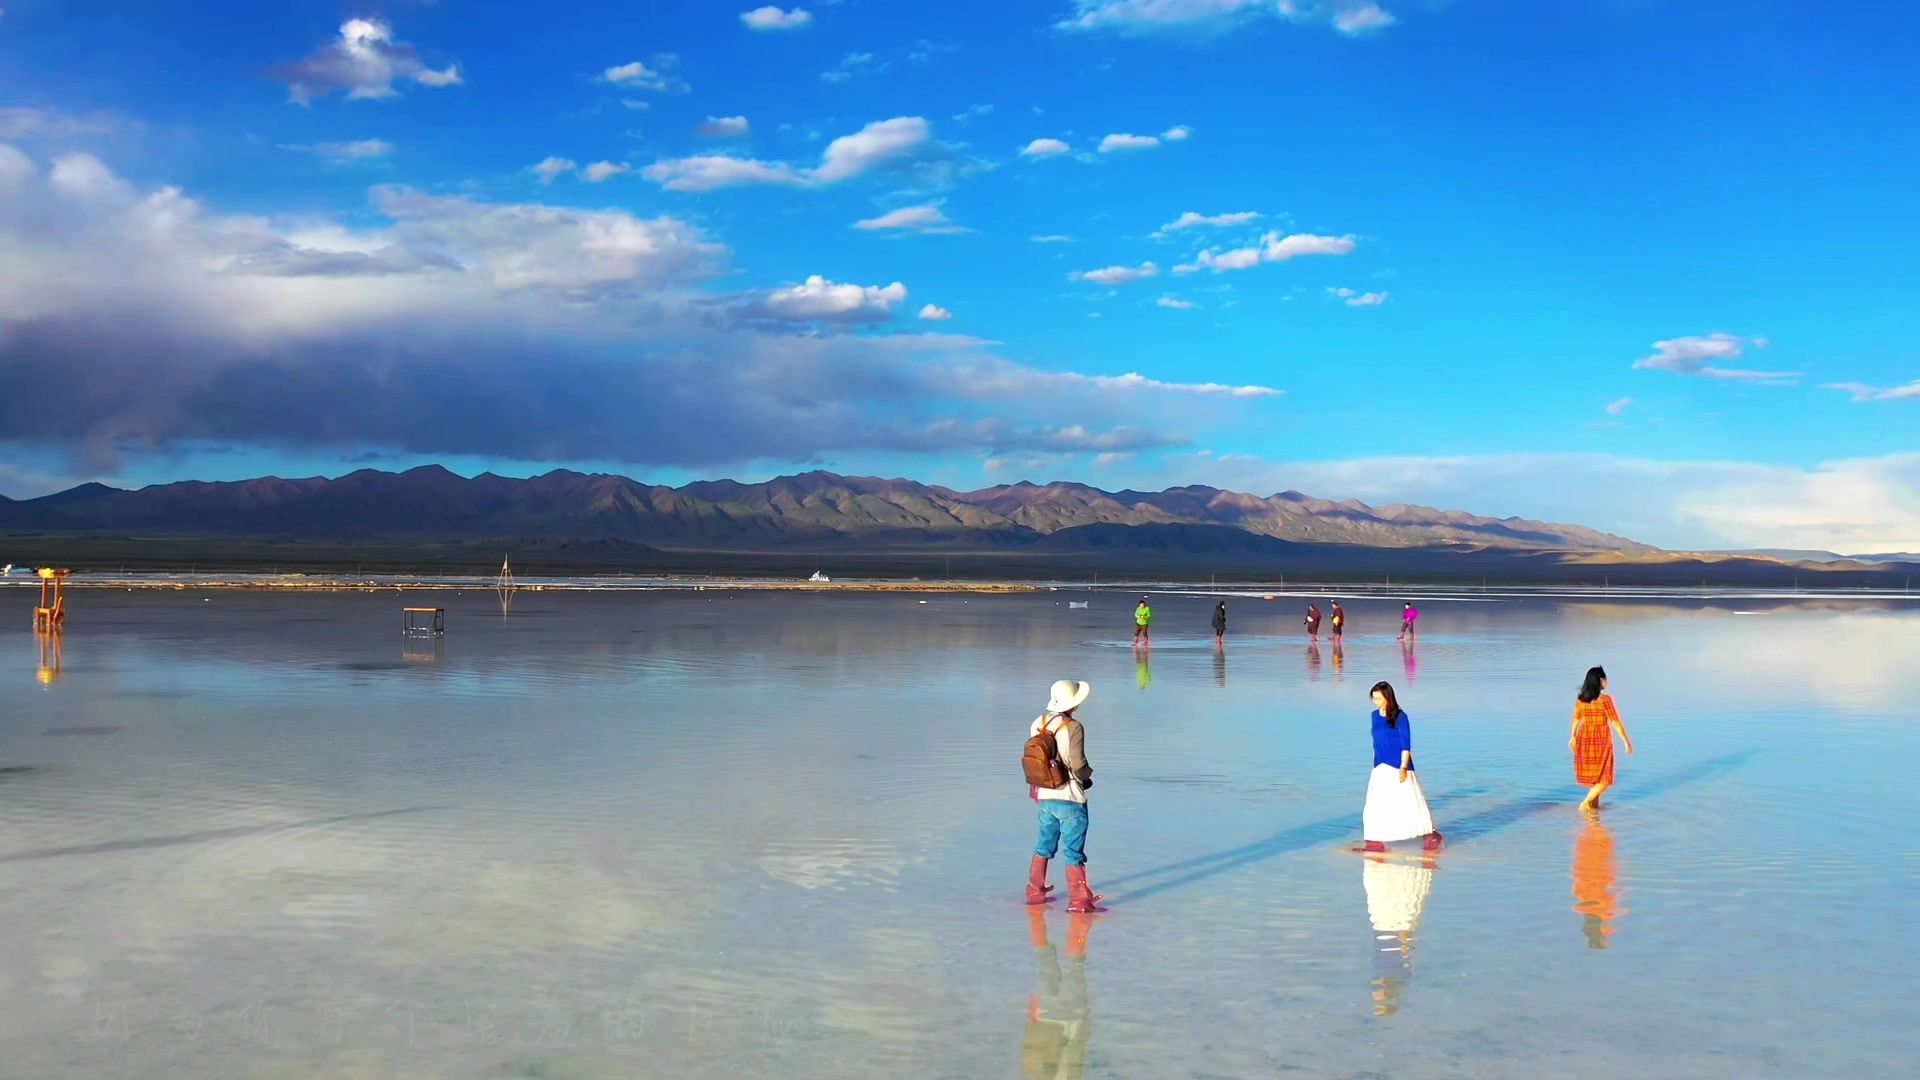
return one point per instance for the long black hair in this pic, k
(1392, 712)
(1590, 690)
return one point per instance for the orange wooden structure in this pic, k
(52, 613)
(423, 620)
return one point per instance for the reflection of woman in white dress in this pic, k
(1396, 894)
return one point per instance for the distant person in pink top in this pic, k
(1408, 614)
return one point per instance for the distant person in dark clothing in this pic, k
(1313, 621)
(1220, 623)
(1339, 617)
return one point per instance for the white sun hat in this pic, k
(1068, 695)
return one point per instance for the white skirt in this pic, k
(1394, 811)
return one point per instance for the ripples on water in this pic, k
(669, 834)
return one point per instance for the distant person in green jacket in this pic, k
(1142, 623)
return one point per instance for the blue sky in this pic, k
(1643, 266)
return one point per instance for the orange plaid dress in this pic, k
(1593, 740)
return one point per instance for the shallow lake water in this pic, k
(256, 834)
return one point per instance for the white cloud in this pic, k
(722, 127)
(973, 112)
(1177, 133)
(1864, 392)
(996, 378)
(364, 61)
(357, 150)
(1177, 305)
(15, 166)
(1192, 220)
(637, 75)
(1696, 356)
(876, 144)
(1118, 275)
(1273, 247)
(1359, 299)
(850, 65)
(935, 313)
(817, 299)
(1349, 17)
(32, 123)
(1040, 148)
(1052, 238)
(1121, 141)
(551, 167)
(601, 171)
(635, 104)
(772, 18)
(708, 172)
(920, 219)
(1615, 408)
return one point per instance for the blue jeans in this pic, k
(1063, 822)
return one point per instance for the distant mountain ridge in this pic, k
(812, 508)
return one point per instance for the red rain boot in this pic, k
(1371, 845)
(1079, 896)
(1433, 840)
(1037, 887)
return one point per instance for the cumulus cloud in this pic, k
(1118, 275)
(1040, 148)
(637, 75)
(1176, 304)
(901, 142)
(819, 300)
(1122, 141)
(722, 127)
(1051, 238)
(570, 335)
(1697, 355)
(601, 171)
(1355, 298)
(919, 219)
(364, 61)
(1615, 408)
(1864, 392)
(1273, 247)
(935, 313)
(551, 167)
(1177, 133)
(1192, 220)
(772, 18)
(1349, 17)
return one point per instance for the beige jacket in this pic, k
(1072, 739)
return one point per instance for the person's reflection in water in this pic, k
(1058, 1022)
(1141, 673)
(1313, 662)
(1594, 896)
(1408, 660)
(1339, 659)
(1396, 895)
(1220, 667)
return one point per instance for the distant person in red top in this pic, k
(1313, 621)
(1339, 617)
(1408, 613)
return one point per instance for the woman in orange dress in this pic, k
(1594, 719)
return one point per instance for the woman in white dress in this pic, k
(1396, 808)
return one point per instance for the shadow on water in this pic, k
(142, 843)
(1460, 830)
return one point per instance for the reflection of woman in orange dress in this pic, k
(1594, 719)
(1593, 893)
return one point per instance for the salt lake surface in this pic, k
(254, 834)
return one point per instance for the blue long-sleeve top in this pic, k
(1388, 742)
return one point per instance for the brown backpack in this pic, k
(1040, 761)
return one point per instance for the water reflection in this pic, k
(1339, 659)
(1142, 671)
(1408, 660)
(1059, 1023)
(1219, 665)
(1313, 662)
(50, 646)
(1595, 897)
(1396, 895)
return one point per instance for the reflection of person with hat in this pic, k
(1063, 810)
(1058, 1020)
(1142, 623)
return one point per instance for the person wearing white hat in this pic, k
(1063, 808)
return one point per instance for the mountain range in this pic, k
(814, 509)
